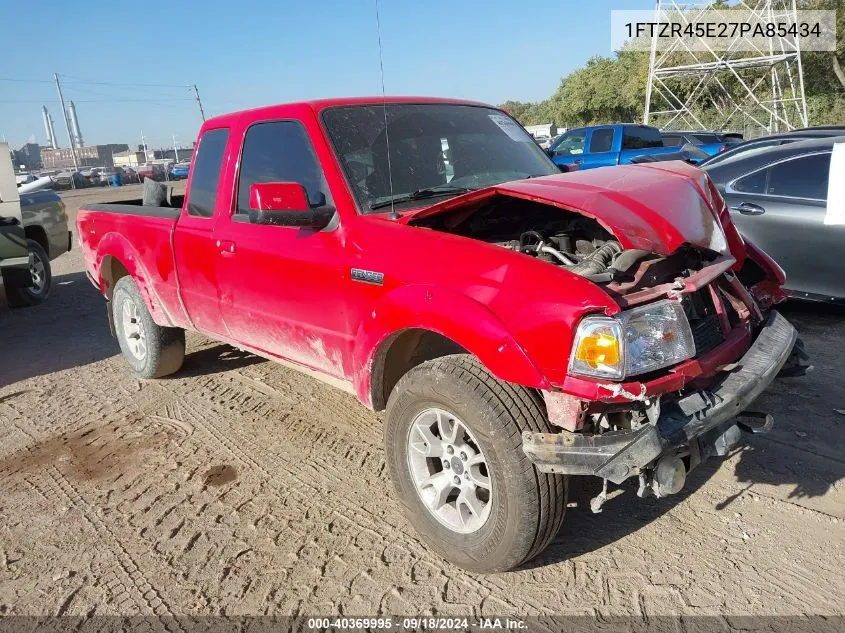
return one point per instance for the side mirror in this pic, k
(285, 204)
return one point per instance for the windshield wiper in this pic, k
(421, 194)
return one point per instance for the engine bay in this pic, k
(566, 239)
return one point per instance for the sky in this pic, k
(257, 52)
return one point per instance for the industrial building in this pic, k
(27, 157)
(112, 155)
(88, 156)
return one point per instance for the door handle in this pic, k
(577, 162)
(226, 247)
(748, 208)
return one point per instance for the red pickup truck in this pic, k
(517, 324)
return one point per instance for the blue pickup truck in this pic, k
(605, 145)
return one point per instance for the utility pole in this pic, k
(197, 92)
(175, 149)
(67, 127)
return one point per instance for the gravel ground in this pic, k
(240, 487)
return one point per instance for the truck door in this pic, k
(568, 153)
(195, 252)
(281, 287)
(600, 151)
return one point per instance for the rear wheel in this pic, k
(19, 296)
(453, 442)
(151, 350)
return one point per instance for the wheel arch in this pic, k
(399, 353)
(36, 233)
(414, 324)
(117, 259)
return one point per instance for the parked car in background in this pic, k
(45, 224)
(778, 198)
(129, 176)
(688, 153)
(179, 171)
(709, 142)
(33, 231)
(776, 139)
(605, 145)
(23, 179)
(517, 325)
(69, 180)
(154, 172)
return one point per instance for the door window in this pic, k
(803, 177)
(752, 183)
(207, 164)
(280, 151)
(572, 143)
(601, 140)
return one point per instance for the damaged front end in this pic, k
(664, 423)
(667, 380)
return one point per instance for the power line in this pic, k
(97, 83)
(77, 80)
(100, 100)
(50, 98)
(26, 81)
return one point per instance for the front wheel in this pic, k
(453, 443)
(152, 351)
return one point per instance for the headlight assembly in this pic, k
(633, 342)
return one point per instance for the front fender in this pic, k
(114, 245)
(465, 321)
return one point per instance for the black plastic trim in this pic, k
(136, 209)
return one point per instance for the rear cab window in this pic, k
(672, 140)
(208, 160)
(707, 139)
(640, 137)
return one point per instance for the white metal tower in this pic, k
(746, 86)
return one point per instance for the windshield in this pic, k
(436, 150)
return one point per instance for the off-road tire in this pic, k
(165, 345)
(527, 506)
(18, 296)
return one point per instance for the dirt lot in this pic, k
(241, 487)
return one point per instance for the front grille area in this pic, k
(707, 334)
(703, 321)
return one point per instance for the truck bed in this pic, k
(148, 256)
(135, 206)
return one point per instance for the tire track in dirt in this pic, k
(385, 538)
(131, 579)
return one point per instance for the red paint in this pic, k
(278, 196)
(288, 293)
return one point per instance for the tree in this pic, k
(612, 89)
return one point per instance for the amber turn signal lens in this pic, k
(598, 349)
